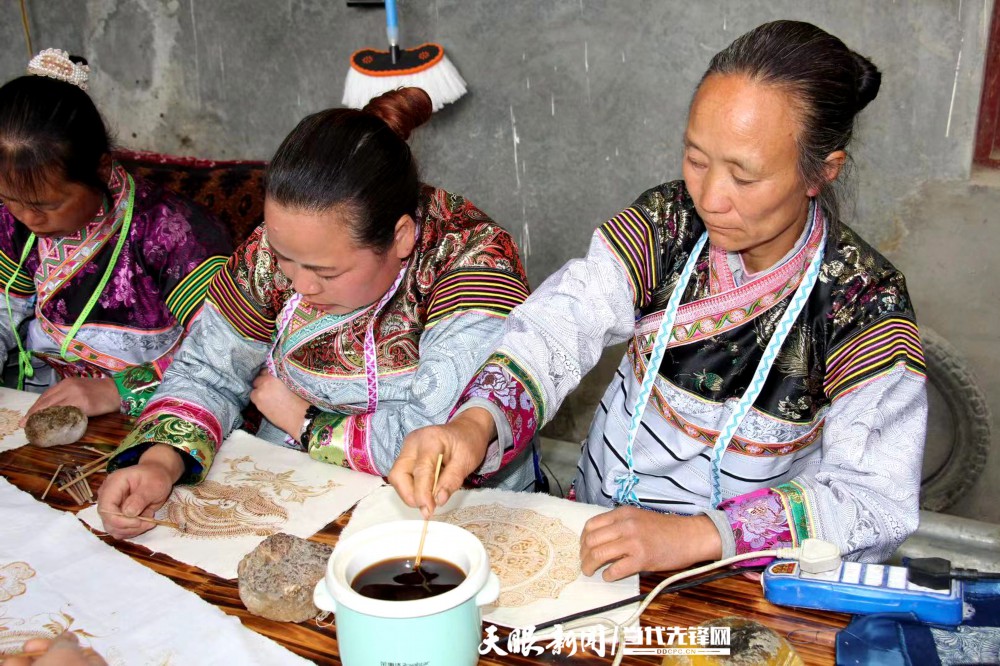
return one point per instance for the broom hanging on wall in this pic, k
(374, 72)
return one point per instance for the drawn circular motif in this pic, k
(737, 315)
(9, 419)
(534, 556)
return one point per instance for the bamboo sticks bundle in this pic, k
(75, 482)
(76, 486)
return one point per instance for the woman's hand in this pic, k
(139, 490)
(462, 442)
(634, 540)
(92, 396)
(63, 650)
(278, 404)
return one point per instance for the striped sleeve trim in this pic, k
(22, 285)
(874, 352)
(632, 239)
(488, 291)
(237, 310)
(187, 297)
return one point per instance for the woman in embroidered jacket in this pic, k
(106, 270)
(357, 312)
(828, 438)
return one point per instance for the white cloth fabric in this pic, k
(56, 576)
(253, 490)
(12, 436)
(533, 541)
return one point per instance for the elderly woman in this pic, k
(773, 388)
(356, 313)
(101, 272)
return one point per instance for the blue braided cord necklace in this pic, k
(626, 483)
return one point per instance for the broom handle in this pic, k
(392, 29)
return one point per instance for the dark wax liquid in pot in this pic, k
(398, 580)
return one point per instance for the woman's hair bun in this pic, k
(869, 80)
(403, 109)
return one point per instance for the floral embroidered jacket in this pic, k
(438, 326)
(136, 324)
(832, 447)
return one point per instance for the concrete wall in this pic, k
(575, 106)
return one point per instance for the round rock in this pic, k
(276, 579)
(55, 426)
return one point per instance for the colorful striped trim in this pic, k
(357, 444)
(187, 427)
(484, 290)
(188, 411)
(632, 239)
(225, 295)
(506, 384)
(793, 498)
(874, 352)
(23, 285)
(187, 297)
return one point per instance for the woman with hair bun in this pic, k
(357, 312)
(773, 388)
(101, 272)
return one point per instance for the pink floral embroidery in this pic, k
(501, 387)
(759, 522)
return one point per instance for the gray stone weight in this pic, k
(55, 426)
(276, 579)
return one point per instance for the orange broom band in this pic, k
(428, 54)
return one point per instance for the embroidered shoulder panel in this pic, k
(463, 262)
(857, 324)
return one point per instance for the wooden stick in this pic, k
(423, 533)
(97, 462)
(79, 478)
(155, 521)
(69, 486)
(51, 481)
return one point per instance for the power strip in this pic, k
(858, 588)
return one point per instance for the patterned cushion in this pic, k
(231, 190)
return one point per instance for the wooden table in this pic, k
(30, 469)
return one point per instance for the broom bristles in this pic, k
(442, 83)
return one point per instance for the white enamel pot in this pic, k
(443, 630)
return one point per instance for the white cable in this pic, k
(815, 551)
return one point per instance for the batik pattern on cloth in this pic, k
(64, 578)
(155, 288)
(15, 405)
(255, 489)
(533, 542)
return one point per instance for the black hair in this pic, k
(355, 159)
(829, 82)
(50, 128)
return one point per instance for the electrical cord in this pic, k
(814, 556)
(676, 587)
(937, 572)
